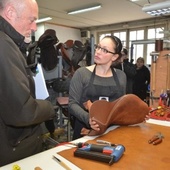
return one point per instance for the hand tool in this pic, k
(108, 154)
(61, 163)
(37, 168)
(156, 139)
(106, 143)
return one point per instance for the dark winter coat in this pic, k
(20, 113)
(130, 71)
(141, 82)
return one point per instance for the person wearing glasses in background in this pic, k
(96, 82)
(129, 69)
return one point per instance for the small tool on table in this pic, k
(37, 168)
(105, 142)
(61, 163)
(156, 139)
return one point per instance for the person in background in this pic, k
(20, 113)
(96, 82)
(141, 79)
(129, 70)
(88, 52)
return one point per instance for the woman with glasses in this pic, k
(100, 81)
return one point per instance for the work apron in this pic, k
(95, 92)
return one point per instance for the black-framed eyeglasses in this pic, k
(97, 47)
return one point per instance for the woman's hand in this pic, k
(87, 104)
(147, 117)
(93, 124)
(85, 131)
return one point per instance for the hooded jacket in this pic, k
(20, 113)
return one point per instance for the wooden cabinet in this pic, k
(160, 77)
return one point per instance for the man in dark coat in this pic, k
(20, 113)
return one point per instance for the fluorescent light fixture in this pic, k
(157, 9)
(43, 19)
(164, 32)
(148, 41)
(85, 9)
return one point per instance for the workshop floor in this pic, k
(60, 136)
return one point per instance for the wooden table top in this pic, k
(138, 155)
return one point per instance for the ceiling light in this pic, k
(85, 9)
(157, 9)
(43, 19)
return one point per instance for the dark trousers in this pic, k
(77, 129)
(49, 124)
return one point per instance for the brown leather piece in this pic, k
(127, 110)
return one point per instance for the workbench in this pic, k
(138, 155)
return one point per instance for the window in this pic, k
(101, 36)
(122, 37)
(140, 42)
(137, 48)
(152, 34)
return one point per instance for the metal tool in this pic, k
(108, 154)
(106, 143)
(156, 139)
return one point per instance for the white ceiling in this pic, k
(112, 12)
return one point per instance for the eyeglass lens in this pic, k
(97, 47)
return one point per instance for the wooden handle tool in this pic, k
(37, 168)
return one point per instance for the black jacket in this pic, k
(20, 113)
(130, 71)
(141, 82)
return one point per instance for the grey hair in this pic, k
(3, 3)
(16, 3)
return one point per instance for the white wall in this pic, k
(63, 34)
(40, 31)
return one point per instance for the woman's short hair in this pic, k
(140, 59)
